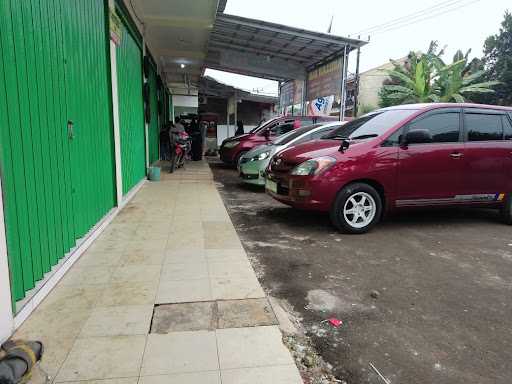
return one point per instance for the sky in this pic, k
(457, 24)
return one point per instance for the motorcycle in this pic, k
(180, 149)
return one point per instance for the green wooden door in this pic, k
(53, 56)
(131, 110)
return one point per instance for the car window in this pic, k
(507, 128)
(293, 134)
(280, 129)
(370, 125)
(324, 131)
(483, 127)
(443, 127)
(394, 139)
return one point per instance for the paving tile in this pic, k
(128, 380)
(118, 321)
(99, 259)
(212, 377)
(142, 257)
(283, 374)
(180, 352)
(184, 256)
(72, 297)
(81, 276)
(231, 270)
(136, 293)
(225, 255)
(185, 271)
(96, 358)
(107, 246)
(153, 245)
(184, 317)
(260, 345)
(245, 313)
(184, 291)
(136, 273)
(233, 289)
(54, 323)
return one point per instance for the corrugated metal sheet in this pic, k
(131, 110)
(153, 129)
(54, 65)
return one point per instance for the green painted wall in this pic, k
(54, 67)
(131, 110)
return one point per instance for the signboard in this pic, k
(287, 94)
(321, 106)
(116, 27)
(325, 80)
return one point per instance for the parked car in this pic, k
(418, 155)
(253, 163)
(233, 148)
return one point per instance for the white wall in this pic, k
(6, 316)
(222, 131)
(185, 101)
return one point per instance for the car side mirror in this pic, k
(417, 136)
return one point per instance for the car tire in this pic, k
(357, 208)
(506, 210)
(238, 157)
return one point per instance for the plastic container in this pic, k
(154, 173)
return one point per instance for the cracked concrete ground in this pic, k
(425, 297)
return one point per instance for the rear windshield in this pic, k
(262, 124)
(371, 125)
(292, 135)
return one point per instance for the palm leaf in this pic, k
(397, 88)
(474, 76)
(398, 95)
(458, 98)
(401, 76)
(476, 90)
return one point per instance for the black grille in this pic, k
(279, 165)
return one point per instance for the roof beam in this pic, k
(178, 21)
(262, 52)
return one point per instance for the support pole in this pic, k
(304, 96)
(115, 117)
(6, 314)
(146, 125)
(356, 93)
(343, 95)
(236, 111)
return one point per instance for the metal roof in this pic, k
(271, 41)
(211, 87)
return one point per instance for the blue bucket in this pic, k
(154, 173)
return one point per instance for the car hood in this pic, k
(237, 138)
(322, 147)
(260, 149)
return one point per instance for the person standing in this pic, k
(165, 143)
(197, 140)
(239, 128)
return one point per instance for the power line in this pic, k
(409, 17)
(393, 28)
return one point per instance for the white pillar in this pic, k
(6, 315)
(115, 116)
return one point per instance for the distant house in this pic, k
(370, 83)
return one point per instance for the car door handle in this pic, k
(456, 155)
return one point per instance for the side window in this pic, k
(394, 139)
(308, 122)
(507, 127)
(443, 127)
(303, 139)
(482, 127)
(322, 132)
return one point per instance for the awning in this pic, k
(274, 51)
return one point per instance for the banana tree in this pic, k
(457, 81)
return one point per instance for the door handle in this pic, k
(456, 155)
(71, 130)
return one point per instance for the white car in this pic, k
(252, 164)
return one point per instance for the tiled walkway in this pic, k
(173, 243)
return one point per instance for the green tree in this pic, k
(426, 78)
(498, 60)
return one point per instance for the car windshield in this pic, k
(371, 125)
(292, 135)
(259, 126)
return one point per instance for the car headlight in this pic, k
(231, 144)
(261, 156)
(314, 166)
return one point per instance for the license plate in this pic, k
(271, 185)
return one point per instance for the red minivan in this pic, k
(233, 148)
(414, 155)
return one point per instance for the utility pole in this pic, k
(356, 93)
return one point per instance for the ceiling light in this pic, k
(182, 65)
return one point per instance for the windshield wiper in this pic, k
(367, 136)
(336, 137)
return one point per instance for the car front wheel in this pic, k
(358, 207)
